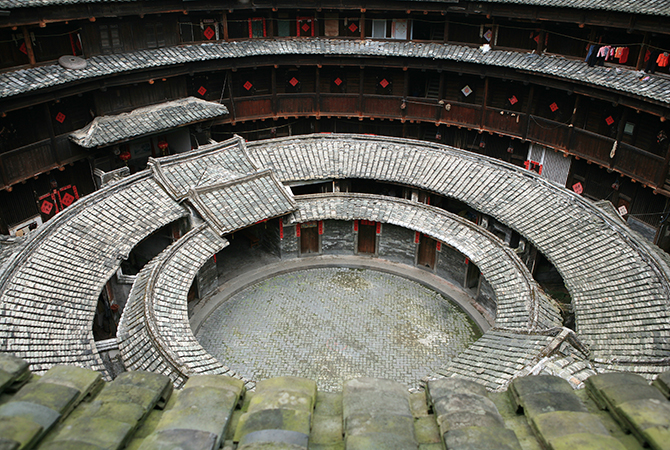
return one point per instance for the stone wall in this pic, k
(270, 238)
(486, 298)
(338, 237)
(289, 245)
(451, 265)
(397, 244)
(207, 278)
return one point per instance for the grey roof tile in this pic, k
(26, 80)
(107, 130)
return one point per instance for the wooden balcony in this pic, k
(30, 160)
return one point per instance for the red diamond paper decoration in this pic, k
(609, 120)
(67, 199)
(293, 81)
(353, 27)
(305, 27)
(46, 207)
(513, 100)
(247, 85)
(553, 107)
(578, 188)
(209, 33)
(384, 83)
(23, 49)
(60, 117)
(202, 90)
(337, 81)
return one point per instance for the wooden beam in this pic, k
(29, 46)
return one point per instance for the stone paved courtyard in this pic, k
(333, 324)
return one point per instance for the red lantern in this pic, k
(124, 156)
(162, 145)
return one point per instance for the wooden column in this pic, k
(224, 24)
(440, 97)
(230, 92)
(52, 134)
(362, 26)
(317, 90)
(446, 30)
(273, 81)
(360, 91)
(29, 46)
(568, 141)
(619, 135)
(528, 110)
(484, 101)
(539, 49)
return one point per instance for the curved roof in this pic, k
(625, 81)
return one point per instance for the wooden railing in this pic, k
(39, 157)
(647, 168)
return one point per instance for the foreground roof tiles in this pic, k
(623, 80)
(72, 408)
(107, 130)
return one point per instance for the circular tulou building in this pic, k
(334, 225)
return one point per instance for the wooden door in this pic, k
(367, 237)
(309, 238)
(427, 252)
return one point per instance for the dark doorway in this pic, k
(472, 275)
(309, 238)
(367, 237)
(427, 247)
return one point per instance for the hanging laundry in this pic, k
(623, 58)
(617, 52)
(591, 55)
(602, 55)
(663, 59)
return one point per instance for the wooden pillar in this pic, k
(528, 110)
(405, 91)
(619, 135)
(360, 91)
(573, 118)
(362, 26)
(484, 101)
(663, 170)
(539, 49)
(317, 90)
(29, 46)
(224, 24)
(440, 97)
(230, 93)
(273, 81)
(446, 30)
(52, 134)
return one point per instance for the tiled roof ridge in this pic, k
(142, 121)
(171, 344)
(605, 266)
(195, 194)
(657, 258)
(620, 79)
(541, 313)
(35, 238)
